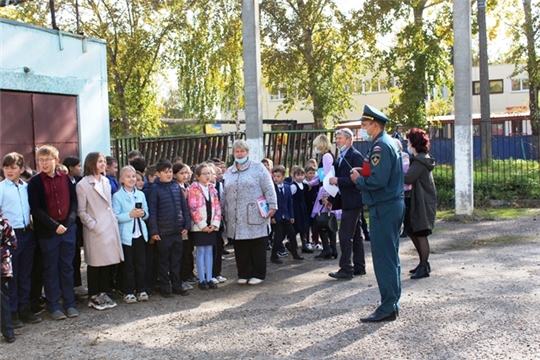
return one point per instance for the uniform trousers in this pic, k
(6, 324)
(58, 252)
(385, 224)
(134, 266)
(23, 259)
(169, 257)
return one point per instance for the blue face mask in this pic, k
(342, 149)
(364, 134)
(317, 151)
(410, 150)
(241, 161)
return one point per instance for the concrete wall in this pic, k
(60, 63)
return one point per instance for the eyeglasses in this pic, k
(45, 160)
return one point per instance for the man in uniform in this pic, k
(382, 191)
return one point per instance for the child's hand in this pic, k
(292, 221)
(61, 229)
(184, 232)
(136, 213)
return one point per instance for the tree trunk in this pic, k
(534, 75)
(485, 109)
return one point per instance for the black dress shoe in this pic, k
(375, 317)
(276, 260)
(340, 275)
(421, 272)
(359, 272)
(298, 257)
(10, 339)
(212, 285)
(204, 285)
(403, 234)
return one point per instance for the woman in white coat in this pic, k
(102, 245)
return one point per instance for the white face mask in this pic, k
(317, 151)
(365, 135)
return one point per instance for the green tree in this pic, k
(418, 59)
(206, 54)
(311, 51)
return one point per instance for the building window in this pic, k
(495, 87)
(520, 84)
(278, 94)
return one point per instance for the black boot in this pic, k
(421, 272)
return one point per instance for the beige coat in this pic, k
(102, 244)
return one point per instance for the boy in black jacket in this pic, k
(169, 220)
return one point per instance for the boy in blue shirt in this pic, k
(15, 206)
(283, 220)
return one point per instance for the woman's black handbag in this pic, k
(325, 221)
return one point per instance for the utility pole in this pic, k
(252, 78)
(463, 140)
(485, 109)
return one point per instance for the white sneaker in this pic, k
(81, 290)
(214, 280)
(309, 246)
(241, 281)
(221, 279)
(187, 286)
(319, 247)
(130, 299)
(142, 296)
(109, 303)
(255, 281)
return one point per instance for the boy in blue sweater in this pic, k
(169, 220)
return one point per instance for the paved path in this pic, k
(481, 302)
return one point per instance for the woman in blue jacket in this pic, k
(131, 209)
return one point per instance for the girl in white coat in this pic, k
(102, 246)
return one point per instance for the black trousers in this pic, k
(169, 258)
(350, 242)
(98, 279)
(251, 258)
(218, 253)
(134, 266)
(151, 266)
(281, 229)
(36, 286)
(188, 264)
(6, 324)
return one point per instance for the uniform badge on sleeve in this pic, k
(375, 159)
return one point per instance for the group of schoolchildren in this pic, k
(296, 196)
(138, 230)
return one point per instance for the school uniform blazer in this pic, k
(102, 245)
(285, 203)
(122, 205)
